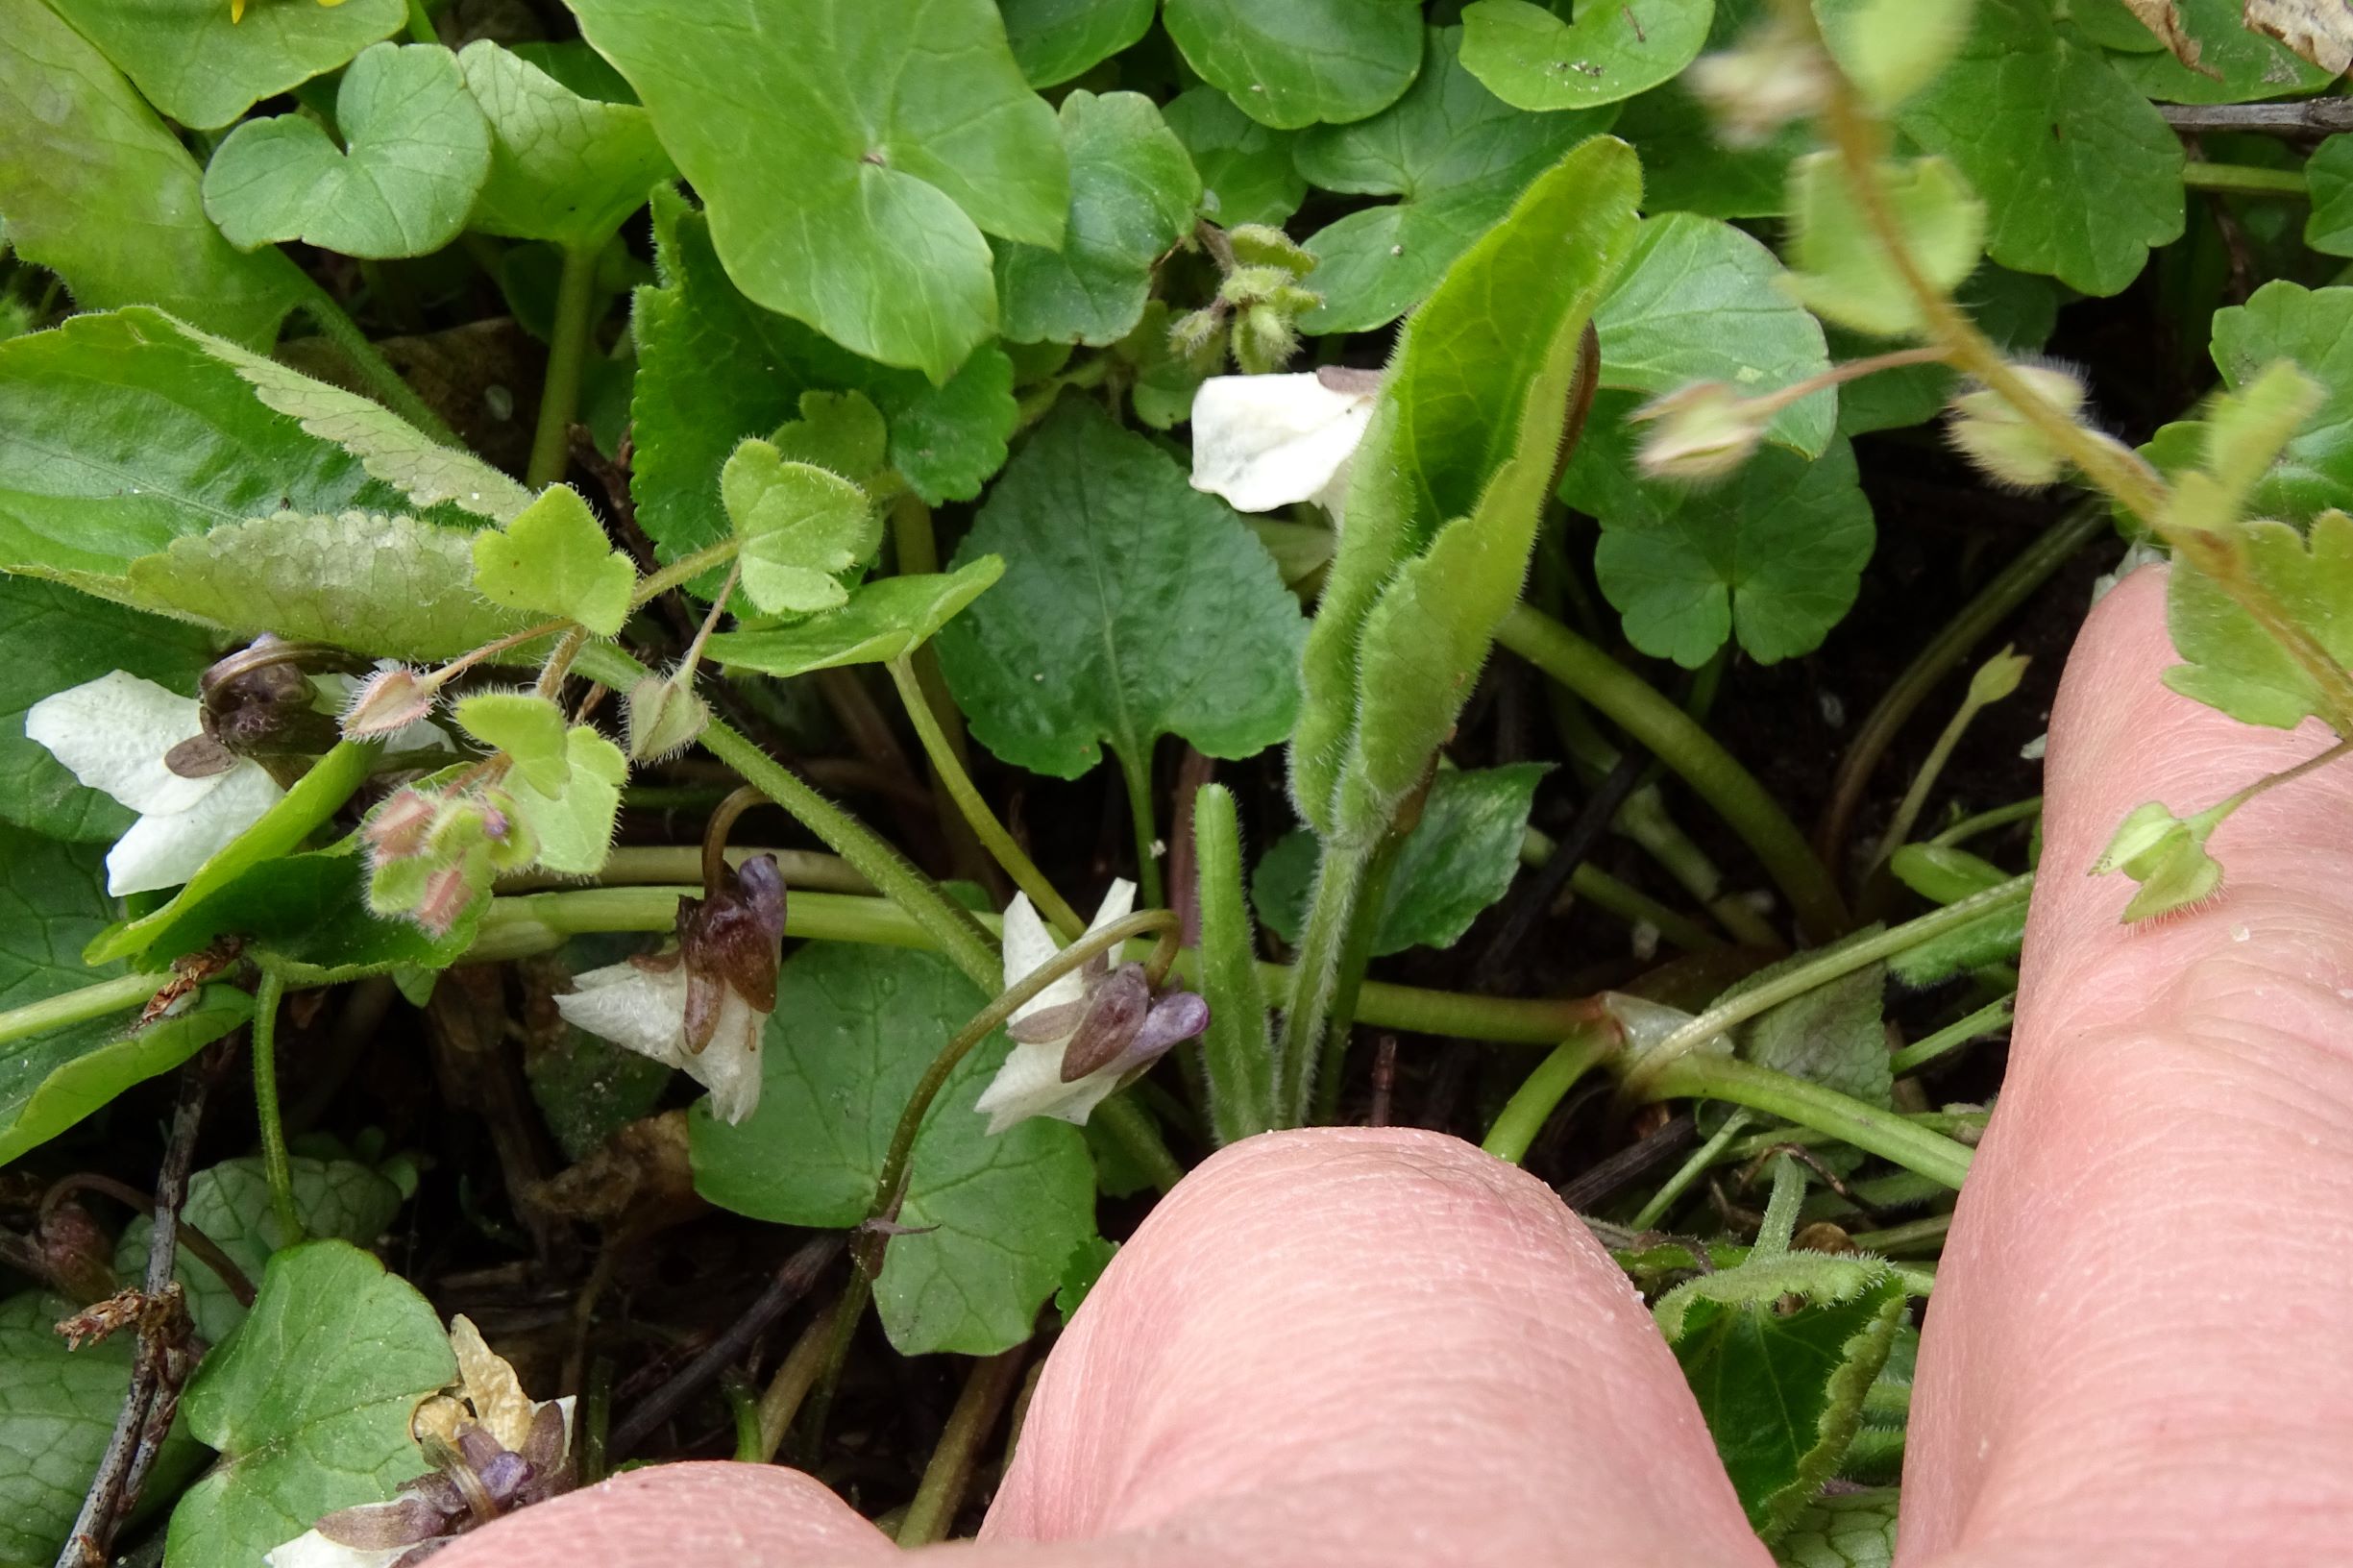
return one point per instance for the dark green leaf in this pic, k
(851, 156)
(856, 1028)
(1684, 168)
(2330, 173)
(1988, 939)
(2017, 310)
(1605, 50)
(1245, 167)
(1054, 40)
(1832, 1034)
(2314, 327)
(1133, 606)
(203, 67)
(49, 1082)
(1459, 858)
(1456, 155)
(1302, 62)
(309, 1404)
(1079, 1273)
(53, 900)
(2234, 63)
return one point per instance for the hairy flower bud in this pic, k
(664, 716)
(1701, 431)
(1777, 74)
(2000, 441)
(386, 702)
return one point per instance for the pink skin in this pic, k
(1365, 1348)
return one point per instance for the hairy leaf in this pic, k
(1853, 1530)
(2231, 663)
(2314, 327)
(1840, 270)
(1305, 60)
(1830, 1035)
(553, 558)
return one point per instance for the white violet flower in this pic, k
(1266, 441)
(703, 1005)
(1086, 1032)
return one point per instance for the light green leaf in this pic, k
(575, 823)
(2234, 63)
(842, 1055)
(1853, 1530)
(883, 619)
(1891, 49)
(415, 153)
(52, 638)
(1701, 300)
(840, 432)
(1606, 50)
(1133, 606)
(714, 368)
(2231, 663)
(1305, 60)
(338, 1199)
(1775, 555)
(1054, 40)
(203, 67)
(802, 528)
(2079, 175)
(555, 559)
(385, 585)
(98, 191)
(120, 433)
(1133, 195)
(1244, 166)
(851, 156)
(1456, 155)
(57, 1411)
(49, 1082)
(1460, 859)
(527, 727)
(563, 166)
(309, 1404)
(2314, 327)
(1839, 270)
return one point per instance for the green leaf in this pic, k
(1245, 167)
(588, 1088)
(1988, 939)
(1701, 300)
(527, 727)
(415, 153)
(2330, 173)
(714, 368)
(50, 1082)
(555, 559)
(1080, 1272)
(1606, 50)
(1456, 155)
(309, 1404)
(2230, 662)
(1460, 859)
(98, 191)
(564, 166)
(1684, 168)
(1840, 271)
(851, 156)
(2080, 175)
(842, 1055)
(883, 619)
(2017, 310)
(337, 1199)
(1773, 555)
(1133, 606)
(1054, 40)
(53, 900)
(1830, 1035)
(1133, 195)
(2234, 63)
(1890, 49)
(842, 431)
(1467, 427)
(203, 67)
(1853, 1530)
(120, 433)
(2314, 327)
(1296, 63)
(385, 585)
(1782, 1389)
(52, 638)
(802, 528)
(57, 1412)
(575, 823)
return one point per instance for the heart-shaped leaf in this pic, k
(1245, 167)
(573, 822)
(416, 151)
(802, 528)
(1054, 40)
(563, 168)
(555, 559)
(203, 65)
(1292, 64)
(2231, 663)
(1606, 50)
(527, 727)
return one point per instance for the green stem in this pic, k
(1669, 734)
(1339, 878)
(276, 1168)
(1995, 1014)
(1690, 1171)
(1985, 821)
(1962, 1126)
(1237, 1051)
(394, 393)
(1356, 956)
(1700, 1076)
(69, 1008)
(2244, 179)
(685, 569)
(1779, 1226)
(420, 28)
(1605, 892)
(951, 929)
(990, 832)
(948, 1473)
(1533, 1103)
(640, 865)
(745, 1406)
(1917, 1233)
(559, 394)
(1137, 771)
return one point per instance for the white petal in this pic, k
(729, 1067)
(1030, 1084)
(312, 1550)
(1118, 903)
(1266, 441)
(1028, 946)
(112, 733)
(165, 848)
(641, 1010)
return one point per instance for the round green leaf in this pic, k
(1605, 51)
(1245, 167)
(851, 156)
(563, 166)
(416, 151)
(1133, 606)
(2314, 327)
(1299, 62)
(203, 67)
(997, 1216)
(553, 558)
(1839, 269)
(1054, 40)
(801, 528)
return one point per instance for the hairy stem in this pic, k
(1993, 1015)
(559, 394)
(948, 1473)
(1340, 872)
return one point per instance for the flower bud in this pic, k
(386, 702)
(1261, 245)
(664, 716)
(1701, 431)
(1115, 1012)
(1194, 336)
(1777, 74)
(1245, 285)
(1263, 340)
(1998, 439)
(397, 829)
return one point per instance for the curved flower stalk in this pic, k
(1083, 1036)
